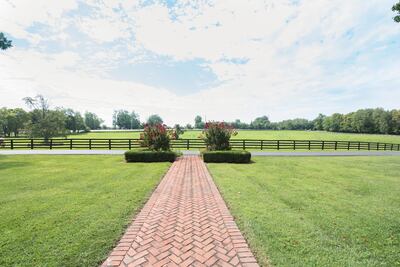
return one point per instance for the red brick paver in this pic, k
(185, 223)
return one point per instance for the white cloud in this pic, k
(276, 57)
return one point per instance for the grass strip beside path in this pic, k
(341, 211)
(68, 210)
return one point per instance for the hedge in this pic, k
(150, 156)
(227, 156)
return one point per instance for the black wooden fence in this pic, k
(79, 143)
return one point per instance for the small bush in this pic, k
(216, 135)
(227, 156)
(150, 156)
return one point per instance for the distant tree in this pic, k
(318, 122)
(12, 121)
(92, 121)
(198, 122)
(74, 121)
(189, 126)
(333, 123)
(44, 122)
(135, 121)
(154, 119)
(261, 123)
(347, 123)
(295, 124)
(4, 42)
(125, 120)
(381, 120)
(395, 121)
(396, 8)
(362, 121)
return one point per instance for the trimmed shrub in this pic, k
(227, 156)
(150, 156)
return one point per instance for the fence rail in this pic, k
(79, 143)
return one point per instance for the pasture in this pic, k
(263, 134)
(341, 211)
(68, 210)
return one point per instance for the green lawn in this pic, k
(339, 211)
(273, 135)
(68, 210)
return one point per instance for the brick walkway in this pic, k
(185, 223)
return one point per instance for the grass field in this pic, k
(273, 135)
(317, 211)
(68, 210)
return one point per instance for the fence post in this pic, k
(294, 144)
(109, 144)
(335, 145)
(385, 147)
(51, 143)
(244, 144)
(31, 143)
(348, 145)
(377, 146)
(12, 143)
(309, 144)
(359, 145)
(70, 143)
(369, 146)
(262, 143)
(391, 147)
(323, 145)
(130, 144)
(90, 144)
(278, 145)
(187, 144)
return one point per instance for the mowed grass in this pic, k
(68, 210)
(337, 211)
(265, 134)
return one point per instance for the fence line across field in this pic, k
(134, 143)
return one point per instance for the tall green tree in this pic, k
(74, 121)
(154, 119)
(125, 120)
(261, 123)
(92, 121)
(4, 42)
(396, 8)
(12, 121)
(198, 122)
(44, 122)
(319, 122)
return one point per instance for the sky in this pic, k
(223, 60)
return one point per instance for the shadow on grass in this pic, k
(12, 164)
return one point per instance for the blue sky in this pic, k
(224, 60)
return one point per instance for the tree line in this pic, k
(42, 121)
(371, 121)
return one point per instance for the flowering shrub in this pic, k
(156, 137)
(216, 135)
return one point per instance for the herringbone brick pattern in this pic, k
(185, 223)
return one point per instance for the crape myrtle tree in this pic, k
(92, 121)
(4, 42)
(396, 8)
(45, 123)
